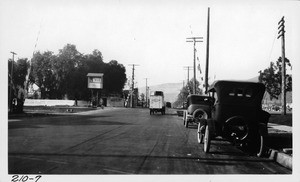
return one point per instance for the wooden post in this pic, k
(207, 53)
(283, 81)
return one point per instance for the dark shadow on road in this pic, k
(64, 121)
(279, 141)
(202, 159)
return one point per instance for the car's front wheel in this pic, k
(183, 118)
(186, 124)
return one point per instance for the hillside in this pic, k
(171, 90)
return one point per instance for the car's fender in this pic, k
(263, 129)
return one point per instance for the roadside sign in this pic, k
(95, 80)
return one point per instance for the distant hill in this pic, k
(254, 79)
(171, 91)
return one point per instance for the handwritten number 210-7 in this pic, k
(17, 178)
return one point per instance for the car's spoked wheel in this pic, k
(200, 133)
(207, 139)
(184, 119)
(186, 123)
(260, 145)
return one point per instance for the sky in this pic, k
(152, 34)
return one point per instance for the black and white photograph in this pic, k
(111, 90)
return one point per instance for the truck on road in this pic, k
(157, 103)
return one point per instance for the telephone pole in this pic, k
(283, 70)
(132, 84)
(194, 40)
(11, 80)
(207, 52)
(146, 92)
(188, 68)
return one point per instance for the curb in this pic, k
(281, 158)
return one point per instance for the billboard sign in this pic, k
(95, 80)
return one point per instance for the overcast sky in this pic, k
(153, 34)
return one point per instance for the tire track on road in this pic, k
(89, 140)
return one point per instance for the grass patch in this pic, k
(57, 109)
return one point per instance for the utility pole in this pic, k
(11, 80)
(207, 52)
(132, 86)
(194, 40)
(146, 93)
(188, 68)
(283, 70)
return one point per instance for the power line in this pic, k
(272, 46)
(29, 67)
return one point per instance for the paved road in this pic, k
(122, 141)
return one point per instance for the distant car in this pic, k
(237, 116)
(197, 107)
(168, 104)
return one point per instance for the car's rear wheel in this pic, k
(207, 139)
(256, 146)
(259, 145)
(200, 133)
(235, 128)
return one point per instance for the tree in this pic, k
(65, 75)
(187, 90)
(142, 96)
(68, 60)
(114, 77)
(17, 84)
(20, 71)
(272, 78)
(43, 74)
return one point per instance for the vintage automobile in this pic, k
(197, 107)
(157, 102)
(236, 116)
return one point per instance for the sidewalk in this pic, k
(279, 144)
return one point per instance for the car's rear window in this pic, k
(157, 93)
(240, 92)
(200, 100)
